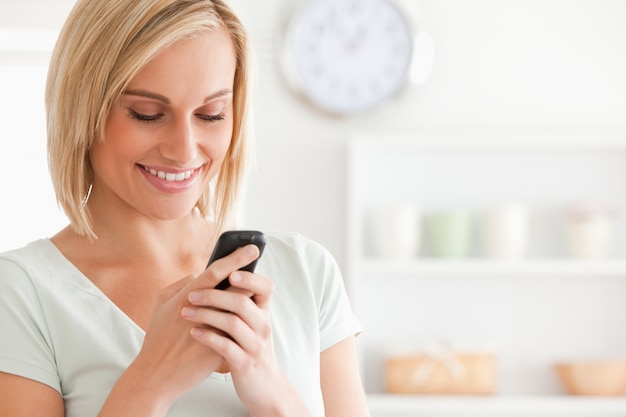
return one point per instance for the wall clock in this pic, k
(349, 56)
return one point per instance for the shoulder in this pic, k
(32, 251)
(296, 258)
(297, 253)
(18, 273)
(35, 255)
(39, 265)
(29, 343)
(294, 244)
(20, 288)
(306, 271)
(18, 261)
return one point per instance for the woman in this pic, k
(147, 104)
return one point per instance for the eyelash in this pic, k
(211, 118)
(144, 117)
(155, 118)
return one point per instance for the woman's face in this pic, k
(167, 135)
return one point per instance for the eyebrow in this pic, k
(159, 97)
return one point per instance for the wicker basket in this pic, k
(458, 373)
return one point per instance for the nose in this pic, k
(180, 144)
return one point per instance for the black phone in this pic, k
(231, 240)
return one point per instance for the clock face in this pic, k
(348, 56)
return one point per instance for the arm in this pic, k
(182, 362)
(28, 366)
(341, 384)
(23, 348)
(160, 374)
(18, 395)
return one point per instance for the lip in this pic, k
(170, 180)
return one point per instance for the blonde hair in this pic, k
(101, 47)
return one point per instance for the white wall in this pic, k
(500, 64)
(27, 206)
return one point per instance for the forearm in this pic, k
(135, 395)
(286, 403)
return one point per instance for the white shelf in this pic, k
(535, 321)
(382, 403)
(423, 267)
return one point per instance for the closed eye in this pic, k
(210, 118)
(148, 118)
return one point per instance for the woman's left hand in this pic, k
(236, 324)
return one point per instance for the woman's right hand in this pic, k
(169, 354)
(171, 362)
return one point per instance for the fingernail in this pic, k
(195, 296)
(250, 250)
(235, 277)
(189, 312)
(197, 332)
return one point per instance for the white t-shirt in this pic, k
(56, 327)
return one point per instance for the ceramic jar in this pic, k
(506, 231)
(589, 230)
(396, 232)
(449, 233)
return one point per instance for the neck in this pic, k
(143, 235)
(162, 244)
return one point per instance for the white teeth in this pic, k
(170, 176)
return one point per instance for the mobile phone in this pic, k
(231, 240)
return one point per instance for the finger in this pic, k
(229, 312)
(226, 324)
(223, 267)
(223, 345)
(249, 309)
(219, 320)
(261, 287)
(230, 301)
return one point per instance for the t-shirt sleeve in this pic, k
(336, 318)
(25, 345)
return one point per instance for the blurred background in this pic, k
(507, 65)
(531, 92)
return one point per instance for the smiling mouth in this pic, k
(170, 176)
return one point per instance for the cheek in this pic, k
(221, 143)
(103, 157)
(116, 145)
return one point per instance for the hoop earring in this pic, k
(84, 203)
